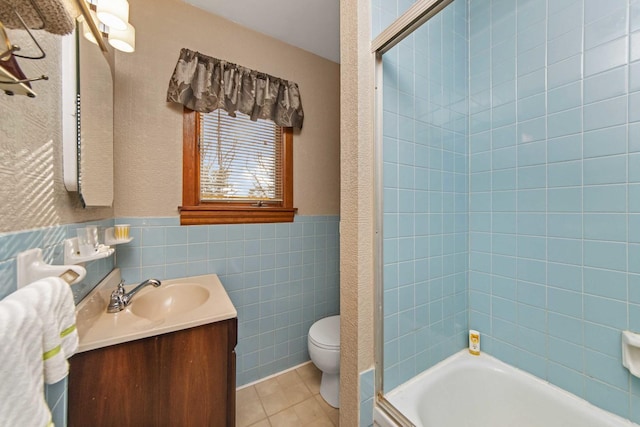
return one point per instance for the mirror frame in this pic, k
(71, 140)
(70, 103)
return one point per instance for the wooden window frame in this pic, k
(196, 212)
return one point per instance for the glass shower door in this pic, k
(424, 193)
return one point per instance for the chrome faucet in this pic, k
(120, 299)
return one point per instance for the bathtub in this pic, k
(481, 391)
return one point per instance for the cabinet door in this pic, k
(115, 386)
(193, 366)
(184, 378)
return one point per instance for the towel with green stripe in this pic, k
(53, 301)
(37, 335)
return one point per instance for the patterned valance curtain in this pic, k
(205, 84)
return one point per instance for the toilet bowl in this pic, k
(324, 350)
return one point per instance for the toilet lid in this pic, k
(326, 332)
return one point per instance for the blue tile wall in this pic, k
(56, 396)
(425, 161)
(367, 395)
(280, 277)
(553, 195)
(51, 241)
(554, 230)
(384, 12)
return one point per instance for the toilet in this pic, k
(324, 350)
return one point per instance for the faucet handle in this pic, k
(120, 289)
(116, 302)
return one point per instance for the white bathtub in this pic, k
(481, 391)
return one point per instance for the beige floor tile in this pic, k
(290, 399)
(309, 411)
(247, 393)
(297, 393)
(289, 378)
(314, 383)
(275, 402)
(275, 396)
(311, 377)
(247, 415)
(307, 370)
(267, 387)
(320, 422)
(286, 418)
(263, 423)
(332, 413)
(249, 408)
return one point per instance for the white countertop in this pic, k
(97, 328)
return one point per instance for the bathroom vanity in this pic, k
(175, 367)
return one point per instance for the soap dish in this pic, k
(72, 255)
(110, 238)
(631, 352)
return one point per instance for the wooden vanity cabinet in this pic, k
(182, 378)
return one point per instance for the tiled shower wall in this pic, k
(280, 277)
(425, 196)
(555, 190)
(554, 92)
(384, 12)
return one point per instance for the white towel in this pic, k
(64, 312)
(66, 315)
(53, 301)
(22, 400)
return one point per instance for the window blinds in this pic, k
(240, 159)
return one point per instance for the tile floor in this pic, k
(288, 400)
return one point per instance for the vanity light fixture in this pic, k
(108, 16)
(125, 40)
(114, 13)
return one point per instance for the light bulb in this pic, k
(123, 40)
(114, 13)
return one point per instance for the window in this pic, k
(235, 170)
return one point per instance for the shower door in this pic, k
(422, 161)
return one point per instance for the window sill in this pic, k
(204, 215)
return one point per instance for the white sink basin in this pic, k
(169, 300)
(177, 304)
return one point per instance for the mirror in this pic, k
(95, 148)
(88, 121)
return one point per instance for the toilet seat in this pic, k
(325, 333)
